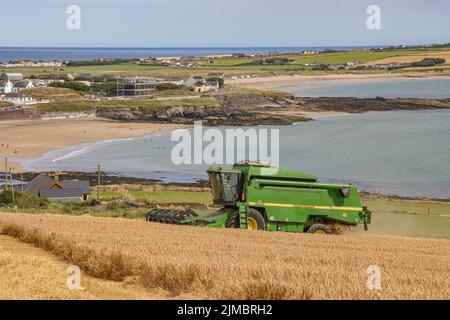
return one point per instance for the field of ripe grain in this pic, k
(238, 264)
(28, 272)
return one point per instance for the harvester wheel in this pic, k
(319, 229)
(233, 222)
(255, 220)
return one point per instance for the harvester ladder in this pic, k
(243, 217)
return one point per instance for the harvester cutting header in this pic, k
(253, 196)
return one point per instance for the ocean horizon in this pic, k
(89, 53)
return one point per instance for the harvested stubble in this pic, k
(238, 264)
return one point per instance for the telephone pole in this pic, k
(98, 182)
(12, 185)
(6, 174)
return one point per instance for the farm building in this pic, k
(63, 191)
(7, 76)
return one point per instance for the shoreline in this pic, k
(112, 179)
(31, 139)
(148, 130)
(279, 82)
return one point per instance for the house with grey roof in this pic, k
(195, 80)
(20, 85)
(63, 191)
(11, 76)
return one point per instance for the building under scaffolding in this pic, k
(136, 86)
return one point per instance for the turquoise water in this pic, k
(402, 153)
(435, 88)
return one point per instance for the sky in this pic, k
(223, 23)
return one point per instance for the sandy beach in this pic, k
(33, 138)
(277, 82)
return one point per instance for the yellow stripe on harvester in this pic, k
(304, 206)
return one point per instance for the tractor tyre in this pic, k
(255, 220)
(319, 229)
(233, 222)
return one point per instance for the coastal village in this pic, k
(129, 173)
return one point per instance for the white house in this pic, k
(6, 86)
(20, 85)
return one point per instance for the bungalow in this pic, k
(20, 85)
(11, 76)
(63, 191)
(6, 86)
(195, 80)
(205, 87)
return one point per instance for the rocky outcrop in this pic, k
(233, 109)
(260, 108)
(355, 105)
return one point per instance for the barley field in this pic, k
(28, 272)
(238, 264)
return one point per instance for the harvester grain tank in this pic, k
(256, 196)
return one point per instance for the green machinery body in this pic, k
(257, 196)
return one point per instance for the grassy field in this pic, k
(380, 204)
(149, 106)
(238, 264)
(5, 104)
(409, 217)
(415, 207)
(233, 66)
(327, 58)
(420, 218)
(55, 94)
(391, 216)
(163, 197)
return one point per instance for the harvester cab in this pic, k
(226, 186)
(252, 196)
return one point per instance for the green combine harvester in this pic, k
(256, 196)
